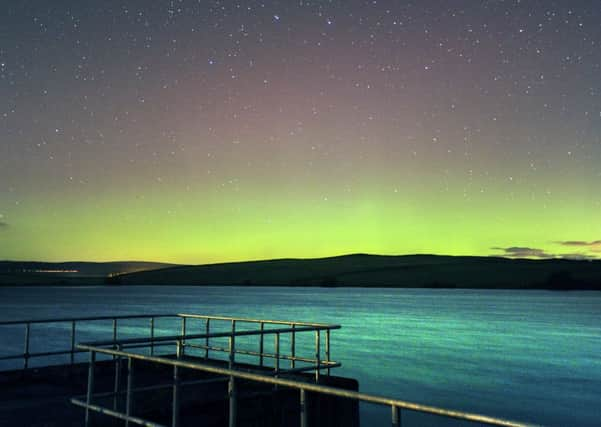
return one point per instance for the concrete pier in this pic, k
(41, 397)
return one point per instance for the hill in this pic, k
(409, 271)
(46, 273)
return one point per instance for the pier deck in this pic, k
(42, 398)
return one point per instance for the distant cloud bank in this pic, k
(594, 246)
(588, 251)
(524, 252)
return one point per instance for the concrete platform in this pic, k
(40, 397)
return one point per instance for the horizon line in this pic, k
(501, 256)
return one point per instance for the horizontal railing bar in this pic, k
(321, 366)
(162, 315)
(156, 387)
(85, 319)
(210, 335)
(44, 354)
(160, 344)
(255, 353)
(115, 414)
(61, 352)
(250, 320)
(317, 388)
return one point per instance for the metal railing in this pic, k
(26, 355)
(153, 341)
(314, 363)
(231, 375)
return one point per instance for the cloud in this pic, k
(593, 246)
(579, 257)
(524, 252)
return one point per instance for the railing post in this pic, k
(130, 385)
(207, 331)
(72, 342)
(117, 379)
(303, 408)
(232, 358)
(317, 361)
(261, 344)
(293, 347)
(183, 335)
(231, 391)
(114, 333)
(90, 385)
(152, 336)
(26, 348)
(396, 417)
(175, 404)
(328, 359)
(277, 353)
(178, 349)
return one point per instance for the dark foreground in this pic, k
(41, 398)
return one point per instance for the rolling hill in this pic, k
(409, 271)
(66, 273)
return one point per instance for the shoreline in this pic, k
(256, 285)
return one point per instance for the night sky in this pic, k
(207, 131)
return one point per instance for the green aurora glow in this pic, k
(157, 142)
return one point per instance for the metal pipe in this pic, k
(41, 354)
(178, 349)
(90, 390)
(231, 391)
(232, 355)
(317, 345)
(396, 417)
(58, 353)
(303, 408)
(117, 379)
(248, 320)
(207, 332)
(114, 332)
(82, 319)
(293, 347)
(328, 349)
(161, 386)
(130, 386)
(115, 414)
(175, 403)
(261, 344)
(152, 336)
(309, 368)
(72, 342)
(183, 341)
(211, 335)
(277, 353)
(26, 348)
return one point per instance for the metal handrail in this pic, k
(212, 335)
(303, 387)
(26, 355)
(84, 319)
(251, 320)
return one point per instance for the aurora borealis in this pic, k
(208, 131)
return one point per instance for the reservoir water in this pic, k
(531, 356)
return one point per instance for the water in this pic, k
(525, 355)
